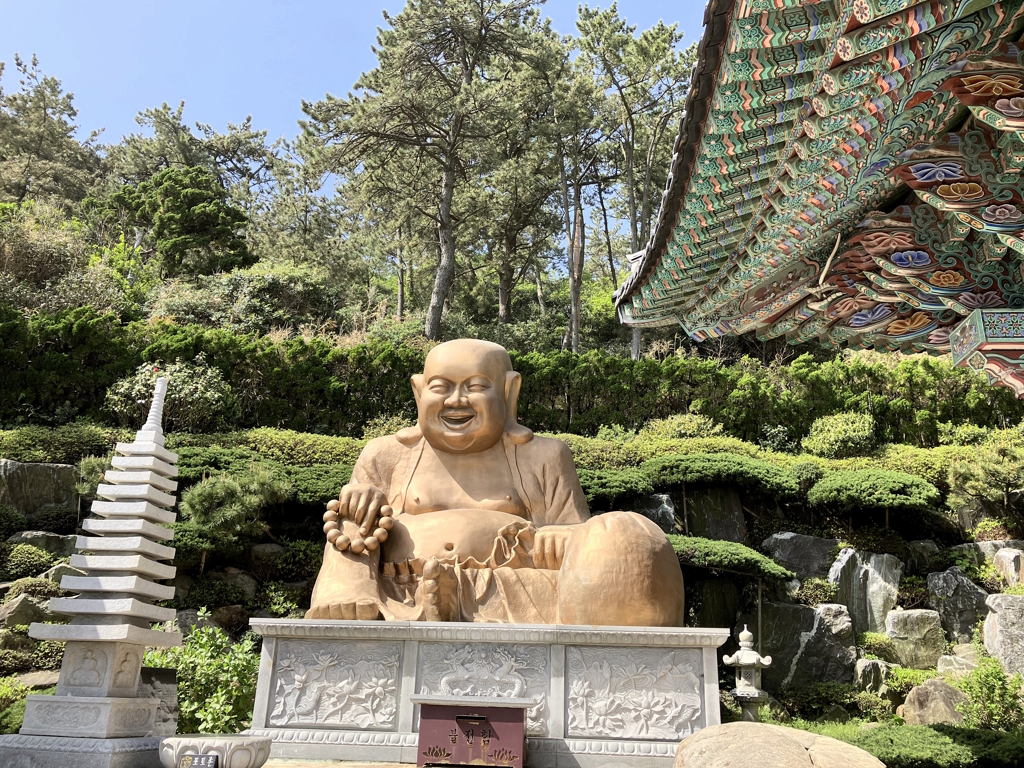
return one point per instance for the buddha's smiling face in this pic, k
(461, 396)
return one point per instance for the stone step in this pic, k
(135, 493)
(129, 563)
(124, 544)
(104, 633)
(142, 477)
(132, 509)
(127, 606)
(146, 449)
(131, 585)
(151, 463)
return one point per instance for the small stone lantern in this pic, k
(749, 664)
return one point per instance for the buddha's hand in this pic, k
(549, 546)
(366, 509)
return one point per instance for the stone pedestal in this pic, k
(606, 696)
(97, 719)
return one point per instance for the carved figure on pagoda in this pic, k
(469, 516)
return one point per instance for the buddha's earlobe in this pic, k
(516, 432)
(417, 386)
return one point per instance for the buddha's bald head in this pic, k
(466, 395)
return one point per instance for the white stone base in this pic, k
(100, 717)
(608, 697)
(19, 751)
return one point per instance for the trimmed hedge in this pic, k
(729, 556)
(874, 490)
(58, 368)
(753, 475)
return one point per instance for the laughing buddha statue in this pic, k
(469, 516)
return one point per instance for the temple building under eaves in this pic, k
(849, 172)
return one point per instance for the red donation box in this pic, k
(472, 730)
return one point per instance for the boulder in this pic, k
(16, 641)
(867, 584)
(182, 583)
(715, 602)
(161, 684)
(933, 703)
(234, 618)
(714, 513)
(238, 578)
(27, 487)
(807, 645)
(59, 571)
(264, 559)
(659, 509)
(1008, 563)
(188, 619)
(918, 637)
(982, 552)
(834, 714)
(741, 745)
(959, 601)
(43, 678)
(54, 543)
(919, 556)
(806, 556)
(871, 675)
(25, 609)
(963, 659)
(1004, 631)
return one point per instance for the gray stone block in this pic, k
(918, 637)
(54, 543)
(959, 601)
(807, 556)
(27, 487)
(1004, 631)
(868, 585)
(21, 751)
(162, 685)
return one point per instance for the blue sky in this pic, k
(226, 59)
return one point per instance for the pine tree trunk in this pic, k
(505, 293)
(401, 278)
(540, 289)
(607, 237)
(576, 275)
(446, 262)
(634, 348)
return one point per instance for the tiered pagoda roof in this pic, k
(848, 171)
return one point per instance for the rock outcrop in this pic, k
(807, 556)
(807, 645)
(1004, 631)
(959, 601)
(982, 552)
(714, 513)
(867, 585)
(871, 675)
(741, 745)
(25, 609)
(918, 637)
(932, 703)
(1008, 563)
(919, 556)
(27, 487)
(54, 543)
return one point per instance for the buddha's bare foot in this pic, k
(353, 610)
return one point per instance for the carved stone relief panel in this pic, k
(489, 669)
(340, 684)
(634, 693)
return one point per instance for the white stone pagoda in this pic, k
(96, 720)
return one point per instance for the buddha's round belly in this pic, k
(463, 533)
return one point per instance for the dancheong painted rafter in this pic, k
(849, 172)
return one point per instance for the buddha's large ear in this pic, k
(412, 435)
(517, 432)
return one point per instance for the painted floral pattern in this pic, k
(993, 85)
(870, 316)
(909, 259)
(945, 170)
(915, 322)
(1011, 107)
(948, 278)
(981, 300)
(1001, 214)
(962, 191)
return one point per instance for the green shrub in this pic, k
(726, 556)
(994, 700)
(319, 483)
(24, 560)
(11, 690)
(913, 592)
(198, 398)
(211, 593)
(777, 438)
(878, 646)
(68, 444)
(990, 530)
(873, 490)
(604, 486)
(841, 435)
(280, 601)
(216, 680)
(961, 434)
(683, 425)
(811, 701)
(31, 586)
(90, 473)
(48, 655)
(907, 746)
(902, 679)
(193, 544)
(383, 425)
(11, 521)
(990, 476)
(872, 707)
(806, 474)
(55, 518)
(727, 469)
(301, 560)
(815, 591)
(235, 507)
(303, 449)
(14, 661)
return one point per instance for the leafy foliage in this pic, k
(14, 661)
(207, 592)
(216, 680)
(994, 700)
(604, 486)
(24, 560)
(878, 646)
(726, 556)
(752, 475)
(11, 690)
(680, 426)
(993, 476)
(815, 591)
(301, 560)
(841, 435)
(873, 490)
(31, 586)
(902, 679)
(55, 518)
(234, 507)
(11, 521)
